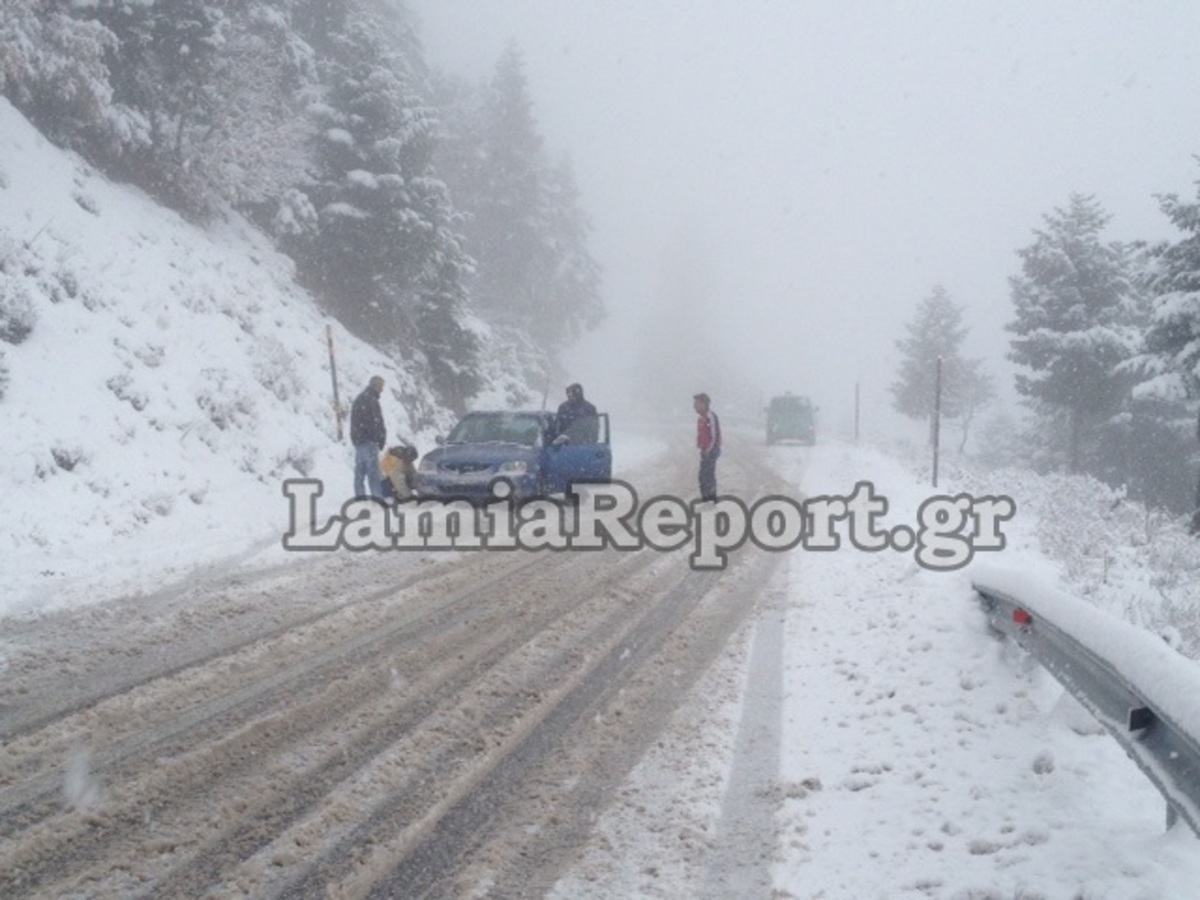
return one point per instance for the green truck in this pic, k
(791, 418)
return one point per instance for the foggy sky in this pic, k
(832, 161)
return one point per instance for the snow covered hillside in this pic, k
(161, 380)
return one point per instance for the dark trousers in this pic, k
(708, 474)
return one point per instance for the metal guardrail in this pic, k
(1135, 707)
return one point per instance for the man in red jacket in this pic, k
(708, 439)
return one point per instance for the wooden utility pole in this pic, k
(856, 408)
(937, 418)
(337, 403)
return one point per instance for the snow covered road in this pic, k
(392, 725)
(601, 725)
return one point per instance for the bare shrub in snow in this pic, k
(86, 202)
(1080, 514)
(298, 458)
(154, 505)
(63, 285)
(1135, 562)
(152, 355)
(122, 387)
(67, 458)
(242, 310)
(224, 401)
(274, 370)
(17, 315)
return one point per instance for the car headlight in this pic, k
(513, 467)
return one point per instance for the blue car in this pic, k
(524, 448)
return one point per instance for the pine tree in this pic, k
(165, 69)
(506, 228)
(936, 331)
(375, 231)
(1173, 338)
(1072, 327)
(571, 303)
(1171, 354)
(198, 101)
(256, 145)
(451, 348)
(525, 228)
(381, 211)
(54, 67)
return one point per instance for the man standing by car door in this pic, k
(576, 409)
(708, 439)
(368, 434)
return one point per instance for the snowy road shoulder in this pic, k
(923, 757)
(918, 755)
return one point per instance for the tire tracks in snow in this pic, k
(390, 733)
(292, 693)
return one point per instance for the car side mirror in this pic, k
(561, 441)
(440, 439)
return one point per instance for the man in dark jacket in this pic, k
(576, 409)
(708, 440)
(368, 434)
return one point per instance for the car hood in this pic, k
(477, 457)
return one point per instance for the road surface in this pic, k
(388, 724)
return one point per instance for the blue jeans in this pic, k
(367, 478)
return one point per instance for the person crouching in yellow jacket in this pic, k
(399, 472)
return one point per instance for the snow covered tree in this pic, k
(569, 302)
(195, 101)
(54, 68)
(382, 241)
(1072, 327)
(1173, 338)
(451, 348)
(936, 330)
(525, 228)
(1171, 350)
(506, 228)
(164, 69)
(372, 189)
(256, 144)
(972, 390)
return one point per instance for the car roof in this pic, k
(540, 413)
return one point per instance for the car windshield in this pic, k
(790, 404)
(506, 428)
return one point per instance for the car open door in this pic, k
(580, 454)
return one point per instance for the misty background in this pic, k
(662, 198)
(775, 186)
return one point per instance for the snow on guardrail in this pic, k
(1142, 691)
